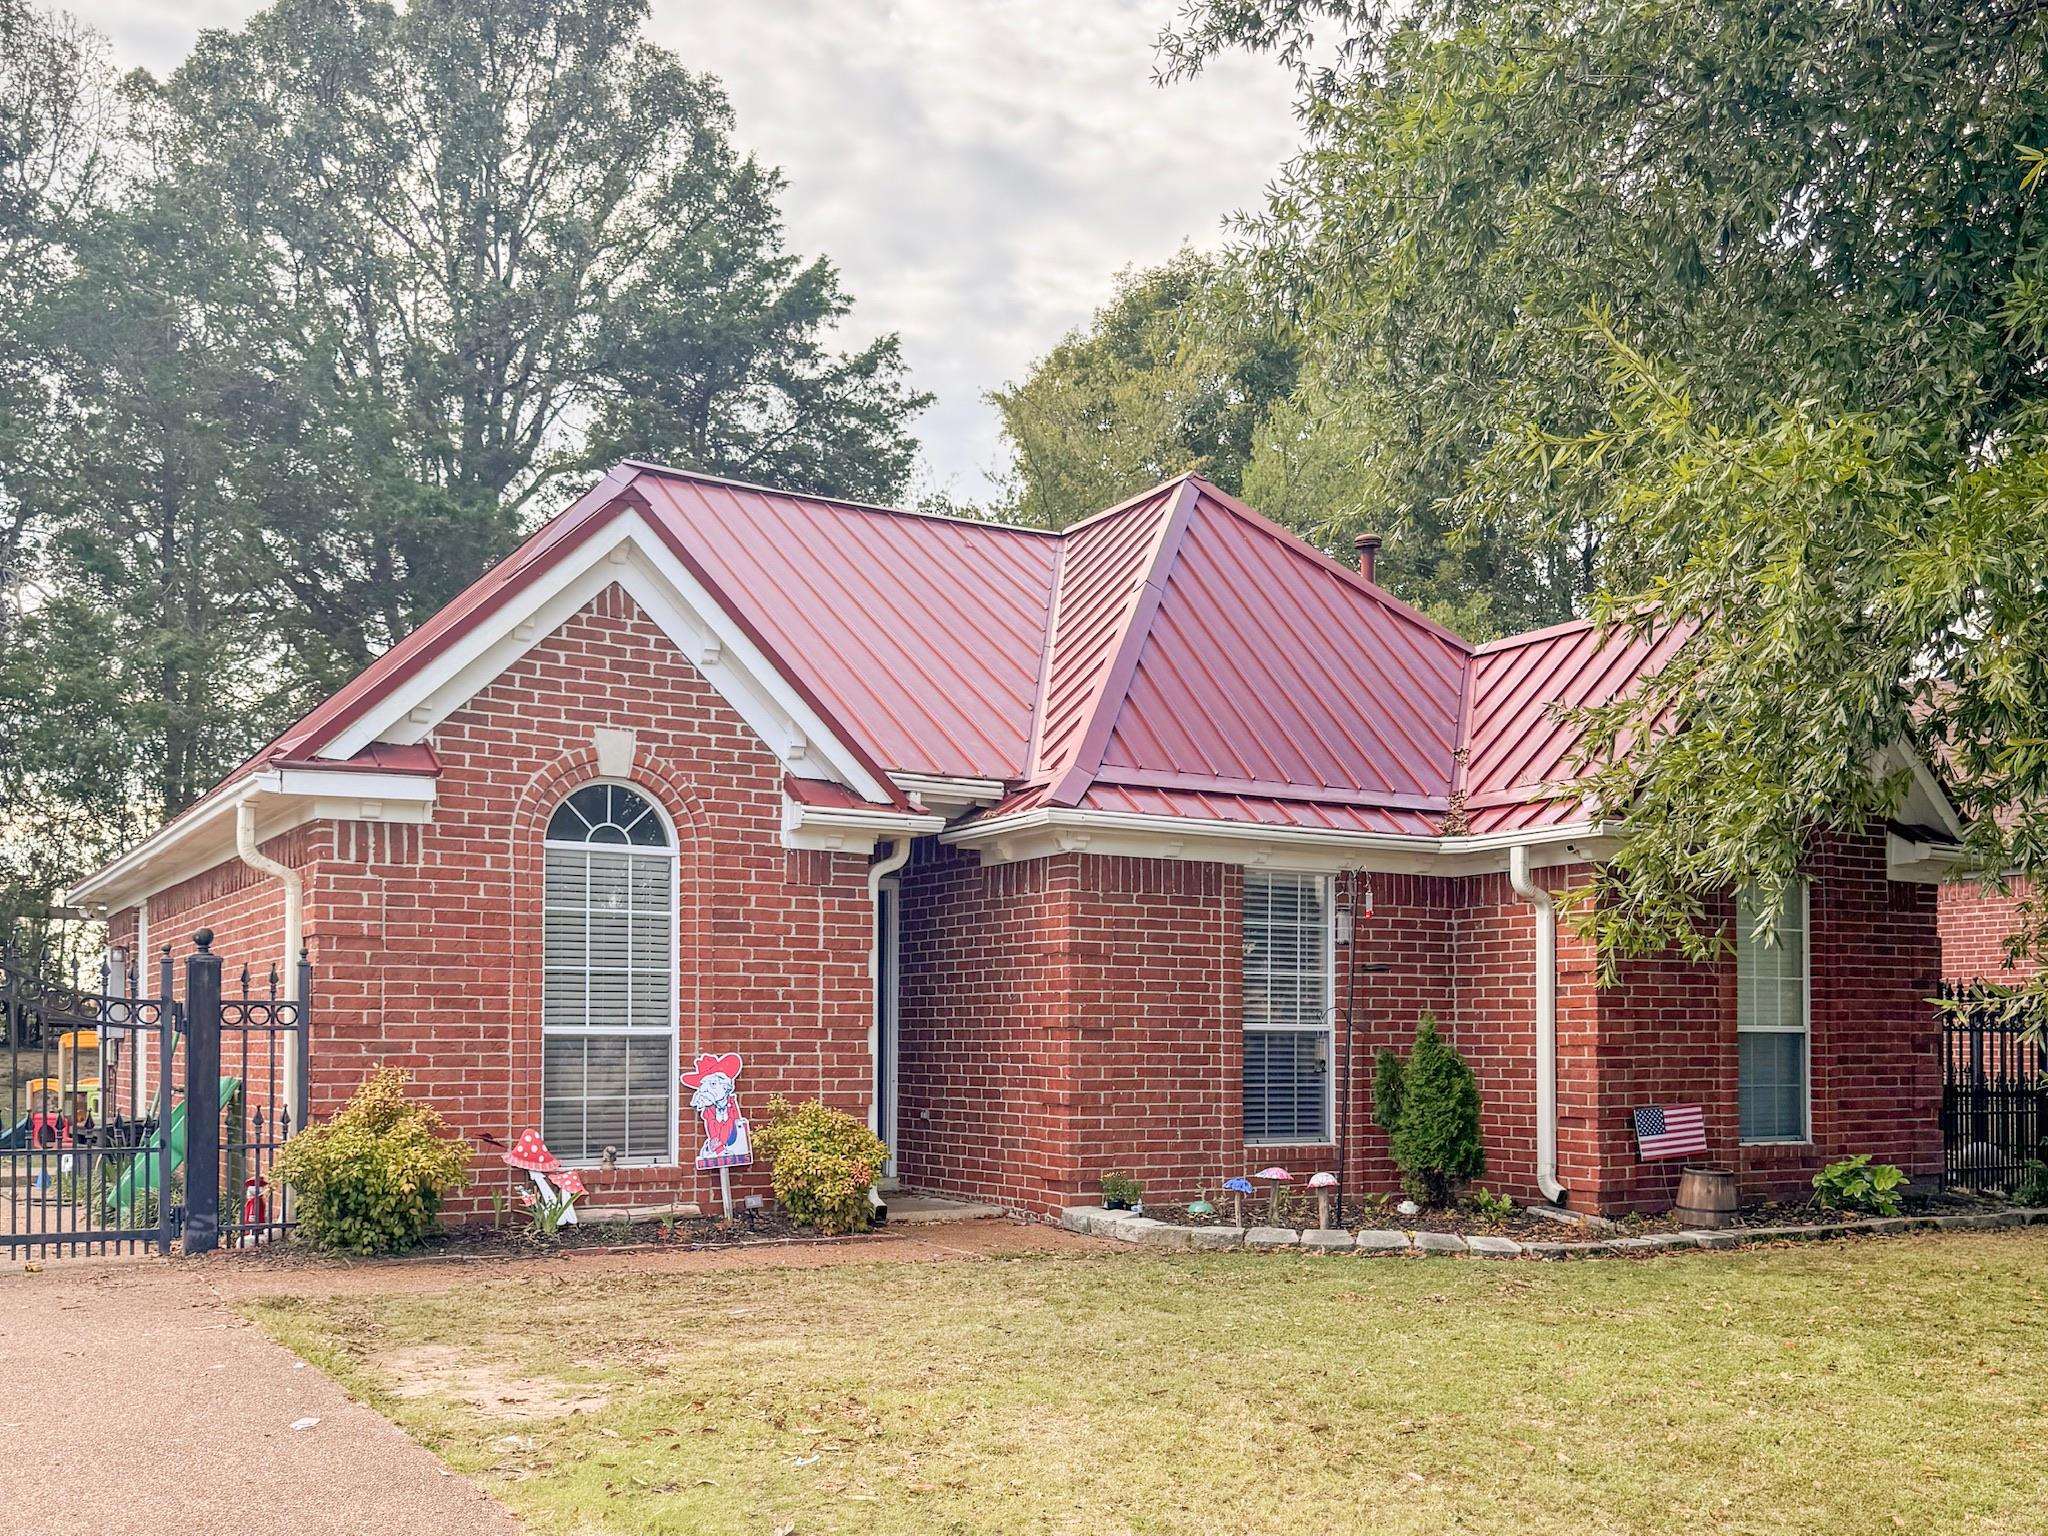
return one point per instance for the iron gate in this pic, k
(131, 1122)
(1994, 1089)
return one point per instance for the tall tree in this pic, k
(1175, 373)
(1748, 301)
(513, 238)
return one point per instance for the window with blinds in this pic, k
(1772, 1035)
(1288, 985)
(607, 979)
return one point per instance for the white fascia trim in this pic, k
(850, 829)
(1048, 830)
(284, 798)
(949, 793)
(703, 631)
(1919, 863)
(1926, 789)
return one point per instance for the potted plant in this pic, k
(1121, 1192)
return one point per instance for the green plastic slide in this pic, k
(141, 1174)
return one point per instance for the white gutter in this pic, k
(294, 930)
(1546, 1020)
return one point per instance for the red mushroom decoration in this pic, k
(1322, 1183)
(1276, 1176)
(531, 1154)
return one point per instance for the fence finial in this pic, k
(204, 939)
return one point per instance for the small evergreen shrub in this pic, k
(822, 1164)
(1857, 1184)
(373, 1178)
(1386, 1089)
(1121, 1192)
(1431, 1105)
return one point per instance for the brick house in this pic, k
(1117, 849)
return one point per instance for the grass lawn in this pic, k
(1843, 1387)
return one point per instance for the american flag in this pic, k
(1670, 1130)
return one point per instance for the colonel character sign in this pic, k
(714, 1094)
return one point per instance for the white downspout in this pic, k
(1546, 1021)
(887, 865)
(294, 930)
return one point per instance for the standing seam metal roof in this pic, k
(1175, 655)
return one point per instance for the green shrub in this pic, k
(1386, 1090)
(1121, 1192)
(372, 1179)
(1484, 1202)
(1857, 1184)
(1435, 1137)
(2032, 1188)
(823, 1163)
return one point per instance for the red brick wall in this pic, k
(1074, 1016)
(430, 940)
(426, 940)
(1975, 923)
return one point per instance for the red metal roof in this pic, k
(1274, 670)
(1518, 751)
(1175, 655)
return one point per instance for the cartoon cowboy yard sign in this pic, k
(714, 1095)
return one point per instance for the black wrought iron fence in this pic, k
(1994, 1086)
(128, 1123)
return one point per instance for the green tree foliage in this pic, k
(1175, 373)
(372, 1179)
(1740, 310)
(1435, 1139)
(295, 342)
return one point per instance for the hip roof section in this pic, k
(1177, 655)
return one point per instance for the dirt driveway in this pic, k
(138, 1402)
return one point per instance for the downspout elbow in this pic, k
(1545, 978)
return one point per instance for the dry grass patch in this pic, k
(1846, 1387)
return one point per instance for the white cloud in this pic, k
(978, 169)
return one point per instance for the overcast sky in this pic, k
(979, 169)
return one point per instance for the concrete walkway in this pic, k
(136, 1402)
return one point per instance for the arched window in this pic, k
(608, 1020)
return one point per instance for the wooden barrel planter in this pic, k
(1706, 1196)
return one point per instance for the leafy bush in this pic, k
(2032, 1188)
(823, 1163)
(372, 1179)
(1121, 1192)
(1857, 1184)
(1434, 1112)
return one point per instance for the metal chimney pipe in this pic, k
(1368, 554)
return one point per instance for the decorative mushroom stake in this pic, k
(530, 1153)
(1239, 1188)
(1201, 1208)
(1275, 1176)
(1322, 1183)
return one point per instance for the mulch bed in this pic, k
(1299, 1211)
(516, 1239)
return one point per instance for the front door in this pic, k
(885, 1021)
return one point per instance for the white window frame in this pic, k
(1804, 1029)
(1326, 897)
(673, 854)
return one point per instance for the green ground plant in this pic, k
(374, 1177)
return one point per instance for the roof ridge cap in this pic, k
(672, 472)
(1128, 504)
(1135, 630)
